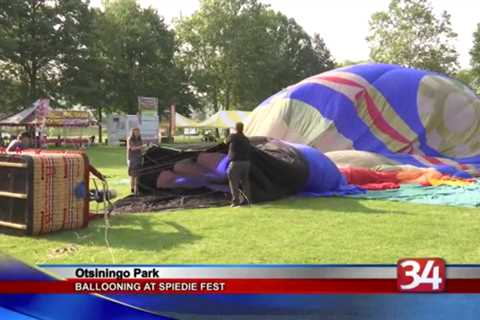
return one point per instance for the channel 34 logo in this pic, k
(421, 275)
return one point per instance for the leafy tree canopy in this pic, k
(410, 34)
(39, 40)
(238, 52)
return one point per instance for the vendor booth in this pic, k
(40, 117)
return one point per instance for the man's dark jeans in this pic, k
(238, 172)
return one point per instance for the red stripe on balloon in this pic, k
(373, 111)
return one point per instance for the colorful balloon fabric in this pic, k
(277, 170)
(407, 116)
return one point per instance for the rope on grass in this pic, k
(107, 208)
(107, 226)
(106, 214)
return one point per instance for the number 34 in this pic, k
(429, 275)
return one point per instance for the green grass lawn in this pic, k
(111, 161)
(296, 230)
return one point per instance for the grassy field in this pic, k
(296, 230)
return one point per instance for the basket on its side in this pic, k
(44, 192)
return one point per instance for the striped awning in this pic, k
(225, 119)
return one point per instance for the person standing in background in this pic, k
(239, 167)
(134, 157)
(21, 143)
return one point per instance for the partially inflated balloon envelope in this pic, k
(278, 169)
(396, 115)
(369, 125)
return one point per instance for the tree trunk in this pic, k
(227, 97)
(33, 59)
(33, 85)
(131, 106)
(132, 86)
(215, 100)
(100, 136)
(216, 108)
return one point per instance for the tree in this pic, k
(208, 48)
(39, 40)
(468, 77)
(88, 83)
(475, 61)
(410, 34)
(139, 59)
(294, 55)
(10, 92)
(238, 52)
(323, 56)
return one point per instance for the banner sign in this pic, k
(148, 125)
(148, 106)
(67, 118)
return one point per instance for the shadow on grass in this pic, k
(336, 204)
(129, 232)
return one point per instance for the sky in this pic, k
(343, 24)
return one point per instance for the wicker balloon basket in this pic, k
(43, 192)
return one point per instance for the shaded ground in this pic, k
(134, 204)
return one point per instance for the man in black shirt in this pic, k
(239, 167)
